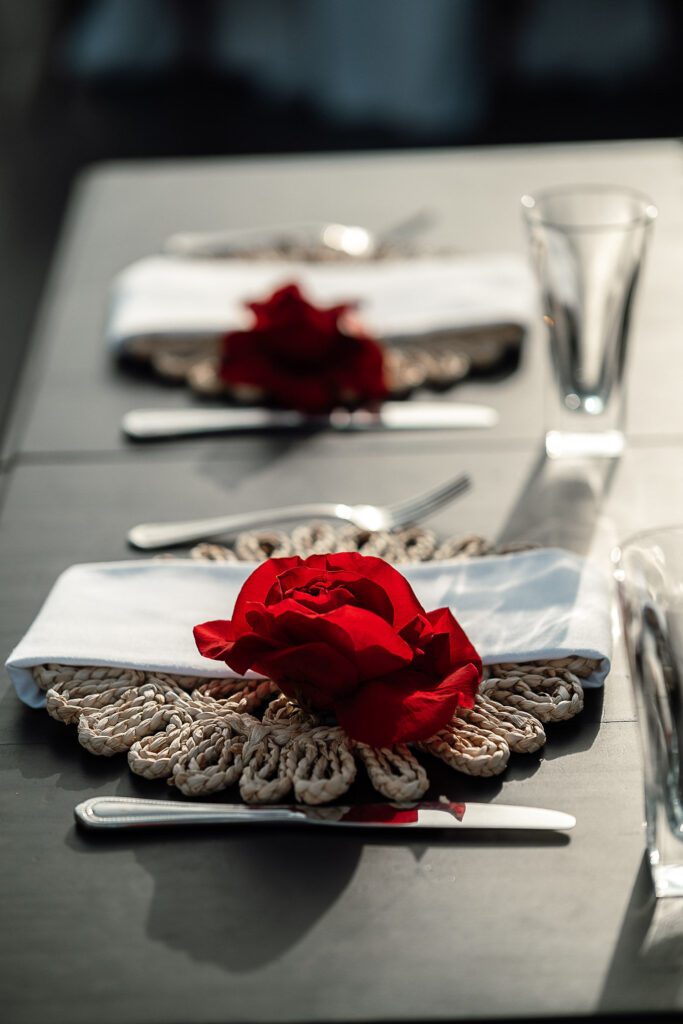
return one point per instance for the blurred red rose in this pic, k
(302, 357)
(345, 633)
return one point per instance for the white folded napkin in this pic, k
(165, 298)
(531, 606)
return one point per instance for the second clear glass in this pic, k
(587, 244)
(649, 574)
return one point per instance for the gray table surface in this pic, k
(243, 926)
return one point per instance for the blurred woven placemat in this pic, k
(435, 363)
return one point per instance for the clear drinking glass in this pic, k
(587, 244)
(649, 574)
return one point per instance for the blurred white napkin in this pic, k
(534, 605)
(164, 298)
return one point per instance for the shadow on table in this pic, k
(276, 459)
(236, 897)
(578, 733)
(646, 969)
(243, 898)
(560, 506)
(46, 748)
(560, 503)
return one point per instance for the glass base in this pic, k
(606, 444)
(664, 848)
(668, 880)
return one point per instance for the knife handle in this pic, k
(107, 812)
(153, 424)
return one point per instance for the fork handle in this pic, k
(150, 536)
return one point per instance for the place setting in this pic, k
(398, 327)
(369, 673)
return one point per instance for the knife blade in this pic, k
(108, 812)
(155, 424)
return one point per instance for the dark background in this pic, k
(89, 80)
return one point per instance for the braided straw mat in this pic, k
(435, 364)
(206, 735)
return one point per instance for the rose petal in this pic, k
(405, 706)
(461, 651)
(256, 587)
(309, 576)
(243, 361)
(284, 621)
(316, 562)
(309, 392)
(369, 594)
(278, 306)
(372, 644)
(403, 600)
(309, 343)
(214, 639)
(366, 365)
(324, 600)
(417, 632)
(247, 652)
(288, 304)
(314, 674)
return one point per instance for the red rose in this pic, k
(345, 633)
(301, 357)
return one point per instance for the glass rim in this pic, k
(530, 202)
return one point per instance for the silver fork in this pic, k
(349, 240)
(151, 536)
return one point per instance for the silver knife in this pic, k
(107, 812)
(154, 424)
